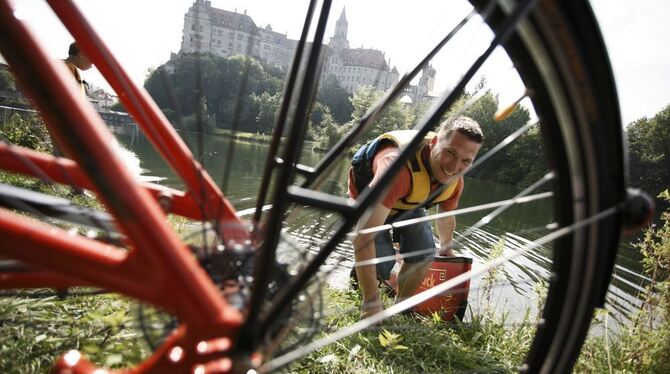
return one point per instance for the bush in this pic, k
(26, 131)
(643, 346)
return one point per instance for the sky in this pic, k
(143, 34)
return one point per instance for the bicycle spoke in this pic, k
(457, 212)
(280, 123)
(493, 151)
(241, 90)
(372, 114)
(285, 174)
(432, 292)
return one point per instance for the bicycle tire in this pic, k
(560, 56)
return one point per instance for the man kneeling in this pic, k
(440, 160)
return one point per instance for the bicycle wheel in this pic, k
(558, 52)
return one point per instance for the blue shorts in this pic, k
(411, 238)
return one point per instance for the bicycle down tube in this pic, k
(158, 268)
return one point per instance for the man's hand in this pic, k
(445, 230)
(446, 251)
(364, 250)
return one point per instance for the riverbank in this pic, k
(247, 137)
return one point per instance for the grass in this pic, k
(416, 344)
(34, 331)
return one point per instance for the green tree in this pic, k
(7, 82)
(319, 111)
(266, 110)
(397, 116)
(649, 150)
(336, 98)
(525, 163)
(330, 132)
(201, 119)
(226, 83)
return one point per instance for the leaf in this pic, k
(435, 316)
(400, 347)
(383, 340)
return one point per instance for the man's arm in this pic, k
(364, 249)
(445, 230)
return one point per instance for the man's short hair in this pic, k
(465, 125)
(74, 49)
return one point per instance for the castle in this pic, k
(225, 33)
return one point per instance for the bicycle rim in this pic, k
(560, 54)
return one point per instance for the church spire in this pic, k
(339, 40)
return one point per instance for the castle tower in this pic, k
(426, 83)
(427, 80)
(339, 40)
(196, 36)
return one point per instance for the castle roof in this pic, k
(233, 20)
(364, 57)
(268, 34)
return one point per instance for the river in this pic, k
(514, 288)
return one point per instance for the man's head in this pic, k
(454, 148)
(78, 58)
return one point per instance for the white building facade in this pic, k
(225, 33)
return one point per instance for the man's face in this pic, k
(451, 157)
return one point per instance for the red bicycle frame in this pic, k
(158, 267)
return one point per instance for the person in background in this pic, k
(77, 61)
